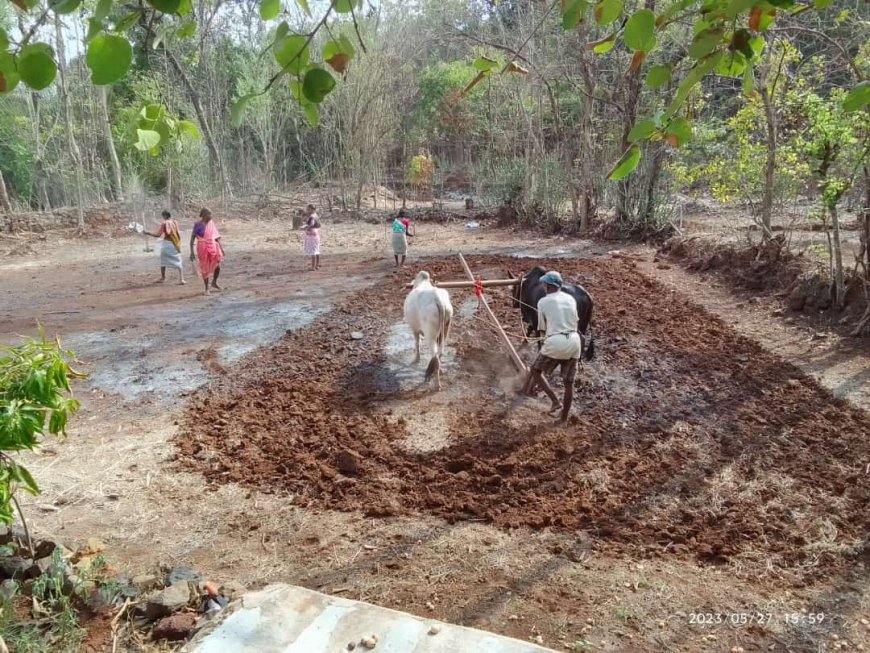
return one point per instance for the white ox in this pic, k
(428, 312)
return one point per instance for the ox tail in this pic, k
(589, 352)
(433, 368)
(443, 326)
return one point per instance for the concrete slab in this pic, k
(289, 619)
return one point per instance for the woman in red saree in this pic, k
(209, 250)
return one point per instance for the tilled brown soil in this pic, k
(689, 439)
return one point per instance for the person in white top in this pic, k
(557, 318)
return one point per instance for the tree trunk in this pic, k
(216, 162)
(770, 164)
(836, 250)
(658, 160)
(4, 197)
(632, 97)
(114, 163)
(74, 153)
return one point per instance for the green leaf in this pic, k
(681, 131)
(573, 12)
(485, 64)
(857, 98)
(65, 6)
(603, 45)
(128, 21)
(766, 21)
(344, 6)
(23, 476)
(36, 66)
(304, 5)
(9, 76)
(658, 76)
(186, 30)
(292, 53)
(757, 45)
(269, 9)
(608, 11)
(312, 113)
(640, 31)
(94, 27)
(626, 164)
(148, 139)
(704, 43)
(237, 112)
(109, 58)
(748, 81)
(160, 35)
(318, 83)
(691, 80)
(281, 31)
(642, 130)
(166, 6)
(732, 64)
(823, 4)
(185, 7)
(152, 112)
(737, 7)
(4, 39)
(104, 8)
(187, 128)
(676, 8)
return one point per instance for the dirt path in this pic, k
(460, 555)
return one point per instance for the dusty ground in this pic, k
(707, 474)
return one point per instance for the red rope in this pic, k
(478, 288)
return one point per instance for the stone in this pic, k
(91, 548)
(145, 582)
(15, 567)
(44, 549)
(41, 566)
(8, 589)
(166, 601)
(233, 590)
(184, 574)
(12, 535)
(357, 335)
(347, 462)
(176, 628)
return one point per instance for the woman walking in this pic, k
(170, 249)
(401, 233)
(311, 240)
(208, 249)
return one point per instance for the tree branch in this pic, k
(850, 61)
(356, 29)
(308, 41)
(39, 22)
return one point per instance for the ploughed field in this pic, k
(688, 440)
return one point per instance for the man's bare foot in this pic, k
(561, 422)
(214, 286)
(208, 292)
(160, 280)
(182, 282)
(554, 407)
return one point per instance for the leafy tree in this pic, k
(836, 144)
(35, 401)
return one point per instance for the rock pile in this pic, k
(171, 603)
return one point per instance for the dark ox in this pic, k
(529, 291)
